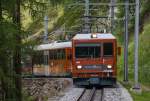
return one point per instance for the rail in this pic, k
(92, 95)
(102, 94)
(81, 95)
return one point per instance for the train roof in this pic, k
(55, 45)
(99, 36)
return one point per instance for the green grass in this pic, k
(144, 96)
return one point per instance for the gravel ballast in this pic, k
(109, 94)
(62, 89)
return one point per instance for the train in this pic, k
(94, 59)
(90, 59)
(53, 59)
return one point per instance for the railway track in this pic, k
(91, 95)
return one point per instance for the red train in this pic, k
(94, 59)
(90, 58)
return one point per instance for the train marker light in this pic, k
(109, 66)
(79, 67)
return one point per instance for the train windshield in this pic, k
(108, 49)
(88, 50)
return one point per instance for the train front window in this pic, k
(108, 49)
(88, 50)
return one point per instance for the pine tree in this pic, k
(17, 51)
(10, 42)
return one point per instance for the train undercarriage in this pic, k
(95, 81)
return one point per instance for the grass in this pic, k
(144, 96)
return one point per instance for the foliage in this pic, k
(144, 44)
(10, 31)
(7, 43)
(26, 97)
(144, 54)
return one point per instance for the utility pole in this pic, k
(136, 43)
(112, 14)
(86, 7)
(126, 42)
(45, 41)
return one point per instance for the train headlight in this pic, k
(109, 66)
(94, 35)
(79, 67)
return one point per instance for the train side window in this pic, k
(38, 57)
(41, 57)
(63, 54)
(108, 49)
(57, 54)
(51, 54)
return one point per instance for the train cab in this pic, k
(94, 59)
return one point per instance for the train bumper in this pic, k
(94, 81)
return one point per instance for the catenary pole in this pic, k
(86, 26)
(46, 29)
(136, 43)
(112, 15)
(126, 42)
